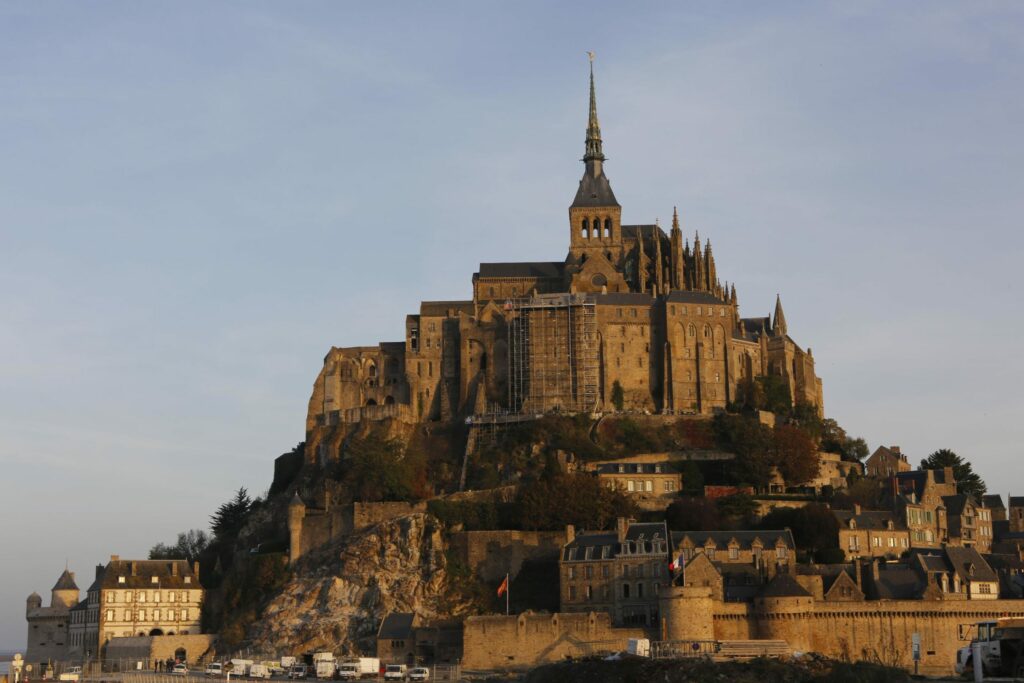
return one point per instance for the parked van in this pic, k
(395, 672)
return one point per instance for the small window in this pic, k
(188, 579)
(154, 579)
(120, 579)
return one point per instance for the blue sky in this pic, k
(198, 199)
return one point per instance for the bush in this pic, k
(618, 397)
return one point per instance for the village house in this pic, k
(653, 485)
(871, 533)
(885, 462)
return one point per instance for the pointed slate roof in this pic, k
(784, 586)
(66, 582)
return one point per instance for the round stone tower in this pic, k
(33, 602)
(296, 514)
(783, 612)
(687, 613)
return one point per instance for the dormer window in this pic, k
(120, 579)
(154, 579)
(188, 579)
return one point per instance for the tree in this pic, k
(557, 499)
(377, 469)
(750, 441)
(967, 480)
(189, 546)
(693, 514)
(230, 517)
(855, 449)
(794, 454)
(814, 526)
(776, 394)
(618, 396)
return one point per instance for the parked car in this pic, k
(420, 673)
(180, 670)
(297, 671)
(259, 671)
(395, 672)
(214, 670)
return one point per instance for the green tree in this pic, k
(776, 394)
(618, 396)
(967, 480)
(751, 442)
(230, 517)
(378, 469)
(693, 514)
(855, 449)
(814, 526)
(557, 499)
(189, 546)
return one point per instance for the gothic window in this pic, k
(585, 231)
(372, 371)
(640, 362)
(691, 330)
(607, 227)
(632, 312)
(707, 331)
(672, 310)
(622, 330)
(599, 280)
(622, 348)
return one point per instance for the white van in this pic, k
(395, 672)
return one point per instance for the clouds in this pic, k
(197, 201)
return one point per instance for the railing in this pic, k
(679, 649)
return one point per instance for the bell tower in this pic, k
(595, 217)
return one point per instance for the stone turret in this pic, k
(296, 514)
(32, 603)
(687, 613)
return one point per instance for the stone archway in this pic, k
(156, 632)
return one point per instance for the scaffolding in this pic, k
(553, 354)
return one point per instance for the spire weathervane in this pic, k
(594, 155)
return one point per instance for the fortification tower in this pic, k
(687, 613)
(783, 613)
(32, 603)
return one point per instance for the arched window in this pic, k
(585, 231)
(691, 330)
(373, 370)
(707, 331)
(389, 400)
(607, 227)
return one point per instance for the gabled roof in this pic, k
(898, 582)
(955, 504)
(603, 545)
(66, 582)
(636, 468)
(549, 269)
(870, 519)
(396, 626)
(784, 586)
(993, 501)
(963, 560)
(646, 531)
(1016, 501)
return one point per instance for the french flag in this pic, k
(677, 564)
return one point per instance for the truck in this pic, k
(325, 669)
(259, 671)
(364, 667)
(240, 667)
(73, 673)
(287, 662)
(1002, 648)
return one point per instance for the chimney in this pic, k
(947, 472)
(99, 571)
(895, 449)
(621, 525)
(570, 533)
(174, 568)
(115, 558)
(874, 569)
(857, 574)
(135, 568)
(856, 508)
(195, 569)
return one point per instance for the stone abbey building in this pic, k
(629, 307)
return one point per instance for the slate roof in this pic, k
(635, 468)
(624, 299)
(962, 559)
(648, 231)
(745, 539)
(784, 586)
(680, 296)
(898, 582)
(66, 582)
(594, 191)
(441, 308)
(82, 605)
(145, 570)
(993, 501)
(1016, 501)
(396, 626)
(955, 504)
(602, 546)
(870, 519)
(550, 269)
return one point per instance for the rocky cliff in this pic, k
(340, 592)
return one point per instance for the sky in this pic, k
(197, 200)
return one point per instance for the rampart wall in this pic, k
(490, 554)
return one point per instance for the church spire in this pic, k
(594, 156)
(779, 323)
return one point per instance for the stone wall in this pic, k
(368, 514)
(148, 649)
(500, 642)
(318, 527)
(490, 554)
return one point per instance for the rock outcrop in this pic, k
(341, 591)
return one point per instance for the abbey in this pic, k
(633, 318)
